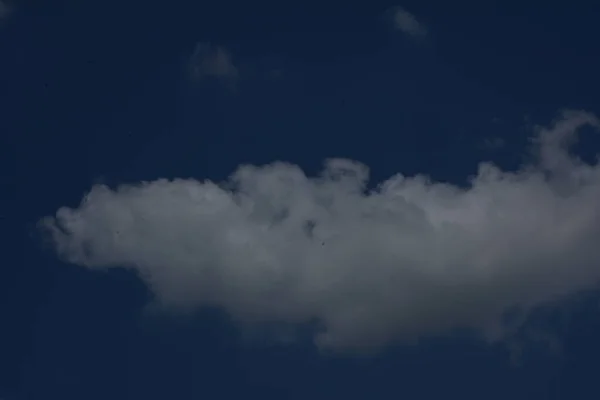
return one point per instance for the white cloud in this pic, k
(411, 258)
(212, 61)
(407, 22)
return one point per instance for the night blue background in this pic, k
(99, 91)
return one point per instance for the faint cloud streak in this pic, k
(493, 143)
(211, 61)
(407, 22)
(5, 10)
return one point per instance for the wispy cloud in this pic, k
(407, 22)
(212, 61)
(4, 10)
(493, 143)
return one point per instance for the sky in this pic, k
(392, 200)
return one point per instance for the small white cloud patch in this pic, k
(407, 22)
(411, 258)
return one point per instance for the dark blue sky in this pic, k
(104, 92)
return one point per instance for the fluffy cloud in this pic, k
(212, 61)
(407, 22)
(410, 258)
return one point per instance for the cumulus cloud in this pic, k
(407, 22)
(409, 258)
(212, 61)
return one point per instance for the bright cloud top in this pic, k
(410, 258)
